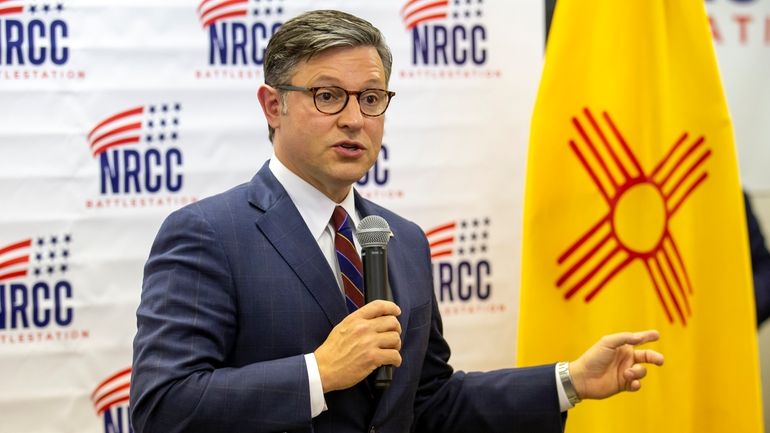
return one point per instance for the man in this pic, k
(249, 320)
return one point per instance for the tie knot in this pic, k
(339, 218)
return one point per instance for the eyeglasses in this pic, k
(333, 99)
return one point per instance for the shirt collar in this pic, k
(315, 208)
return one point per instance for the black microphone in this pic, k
(373, 233)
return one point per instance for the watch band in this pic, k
(562, 369)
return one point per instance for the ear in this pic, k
(270, 100)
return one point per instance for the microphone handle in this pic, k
(383, 377)
(376, 286)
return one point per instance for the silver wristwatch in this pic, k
(562, 369)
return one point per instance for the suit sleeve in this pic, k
(507, 400)
(181, 380)
(760, 263)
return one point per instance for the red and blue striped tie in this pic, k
(351, 268)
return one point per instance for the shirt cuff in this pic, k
(317, 400)
(564, 403)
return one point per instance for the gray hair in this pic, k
(311, 33)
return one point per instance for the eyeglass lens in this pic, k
(332, 100)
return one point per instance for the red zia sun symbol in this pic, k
(636, 226)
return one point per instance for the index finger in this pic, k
(378, 308)
(616, 340)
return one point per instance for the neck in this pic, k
(336, 193)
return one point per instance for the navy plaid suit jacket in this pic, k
(236, 291)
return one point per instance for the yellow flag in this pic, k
(634, 219)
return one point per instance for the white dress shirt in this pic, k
(316, 210)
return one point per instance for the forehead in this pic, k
(342, 65)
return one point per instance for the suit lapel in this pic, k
(285, 229)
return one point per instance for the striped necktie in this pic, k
(351, 267)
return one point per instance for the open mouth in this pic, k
(350, 146)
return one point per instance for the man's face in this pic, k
(331, 151)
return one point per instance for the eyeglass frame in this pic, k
(314, 90)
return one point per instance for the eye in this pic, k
(328, 95)
(370, 97)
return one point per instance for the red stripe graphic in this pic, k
(11, 275)
(23, 244)
(111, 394)
(11, 7)
(122, 115)
(122, 128)
(112, 132)
(216, 10)
(425, 19)
(109, 404)
(442, 228)
(13, 255)
(416, 12)
(223, 17)
(424, 7)
(441, 240)
(16, 261)
(11, 10)
(112, 391)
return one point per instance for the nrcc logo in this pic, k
(462, 272)
(237, 33)
(448, 39)
(36, 297)
(34, 41)
(375, 184)
(140, 162)
(110, 399)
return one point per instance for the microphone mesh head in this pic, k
(373, 231)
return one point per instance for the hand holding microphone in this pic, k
(370, 337)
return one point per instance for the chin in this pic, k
(349, 178)
(353, 172)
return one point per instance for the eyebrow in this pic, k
(328, 80)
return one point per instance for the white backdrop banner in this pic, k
(115, 113)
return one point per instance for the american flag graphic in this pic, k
(156, 123)
(459, 238)
(211, 11)
(37, 256)
(416, 12)
(112, 391)
(14, 260)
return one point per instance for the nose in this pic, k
(351, 116)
